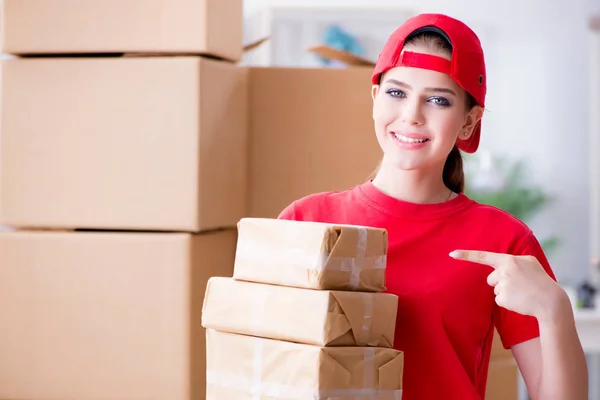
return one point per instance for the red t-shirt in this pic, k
(446, 313)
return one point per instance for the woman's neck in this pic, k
(417, 186)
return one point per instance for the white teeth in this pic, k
(407, 139)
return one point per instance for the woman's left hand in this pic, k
(520, 282)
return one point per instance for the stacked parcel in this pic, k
(304, 315)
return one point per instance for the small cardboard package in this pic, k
(242, 367)
(318, 317)
(311, 255)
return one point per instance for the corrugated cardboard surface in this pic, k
(503, 380)
(115, 26)
(239, 365)
(112, 316)
(141, 143)
(503, 375)
(311, 255)
(311, 131)
(498, 350)
(319, 317)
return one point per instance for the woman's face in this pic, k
(419, 114)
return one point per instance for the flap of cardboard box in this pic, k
(253, 45)
(324, 51)
(340, 55)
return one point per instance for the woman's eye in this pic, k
(440, 101)
(395, 93)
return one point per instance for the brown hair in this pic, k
(453, 175)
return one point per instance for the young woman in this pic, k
(459, 268)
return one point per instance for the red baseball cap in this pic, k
(467, 66)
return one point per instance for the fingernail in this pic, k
(455, 254)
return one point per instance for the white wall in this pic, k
(537, 100)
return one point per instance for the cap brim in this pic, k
(471, 144)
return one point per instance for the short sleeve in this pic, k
(515, 328)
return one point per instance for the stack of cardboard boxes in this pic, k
(123, 167)
(303, 316)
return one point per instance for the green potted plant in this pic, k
(501, 182)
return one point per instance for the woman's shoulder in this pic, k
(318, 206)
(496, 214)
(494, 221)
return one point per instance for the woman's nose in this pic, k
(412, 113)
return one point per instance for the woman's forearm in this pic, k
(564, 367)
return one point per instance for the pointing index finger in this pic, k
(480, 257)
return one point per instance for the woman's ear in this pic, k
(374, 91)
(473, 117)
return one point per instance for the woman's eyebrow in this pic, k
(431, 89)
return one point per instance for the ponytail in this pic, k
(453, 175)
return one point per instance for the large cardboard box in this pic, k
(498, 350)
(242, 367)
(112, 316)
(311, 130)
(503, 380)
(208, 27)
(503, 373)
(318, 317)
(138, 143)
(311, 255)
